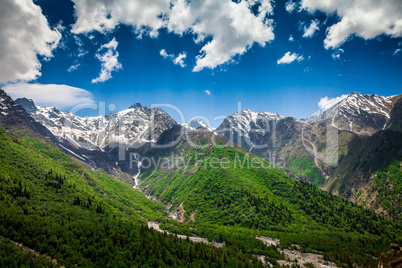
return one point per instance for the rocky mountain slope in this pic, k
(249, 129)
(325, 149)
(15, 118)
(104, 141)
(370, 174)
(273, 135)
(358, 113)
(132, 127)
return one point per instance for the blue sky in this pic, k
(332, 59)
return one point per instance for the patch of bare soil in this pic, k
(196, 239)
(295, 256)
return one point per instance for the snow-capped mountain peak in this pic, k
(250, 115)
(357, 102)
(247, 125)
(196, 123)
(358, 113)
(135, 125)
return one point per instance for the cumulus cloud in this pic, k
(326, 103)
(291, 39)
(208, 92)
(310, 30)
(363, 18)
(224, 29)
(108, 55)
(104, 15)
(60, 96)
(25, 35)
(289, 58)
(290, 6)
(179, 60)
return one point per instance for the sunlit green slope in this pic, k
(228, 188)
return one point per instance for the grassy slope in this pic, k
(265, 201)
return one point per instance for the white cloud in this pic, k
(104, 15)
(179, 60)
(291, 39)
(231, 28)
(309, 31)
(337, 54)
(108, 55)
(289, 58)
(290, 6)
(81, 51)
(326, 103)
(25, 35)
(364, 18)
(397, 52)
(164, 54)
(208, 92)
(73, 67)
(60, 96)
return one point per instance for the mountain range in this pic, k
(255, 179)
(318, 149)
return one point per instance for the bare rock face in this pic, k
(15, 118)
(395, 122)
(27, 104)
(392, 258)
(135, 105)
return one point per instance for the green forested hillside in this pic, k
(59, 209)
(65, 212)
(228, 189)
